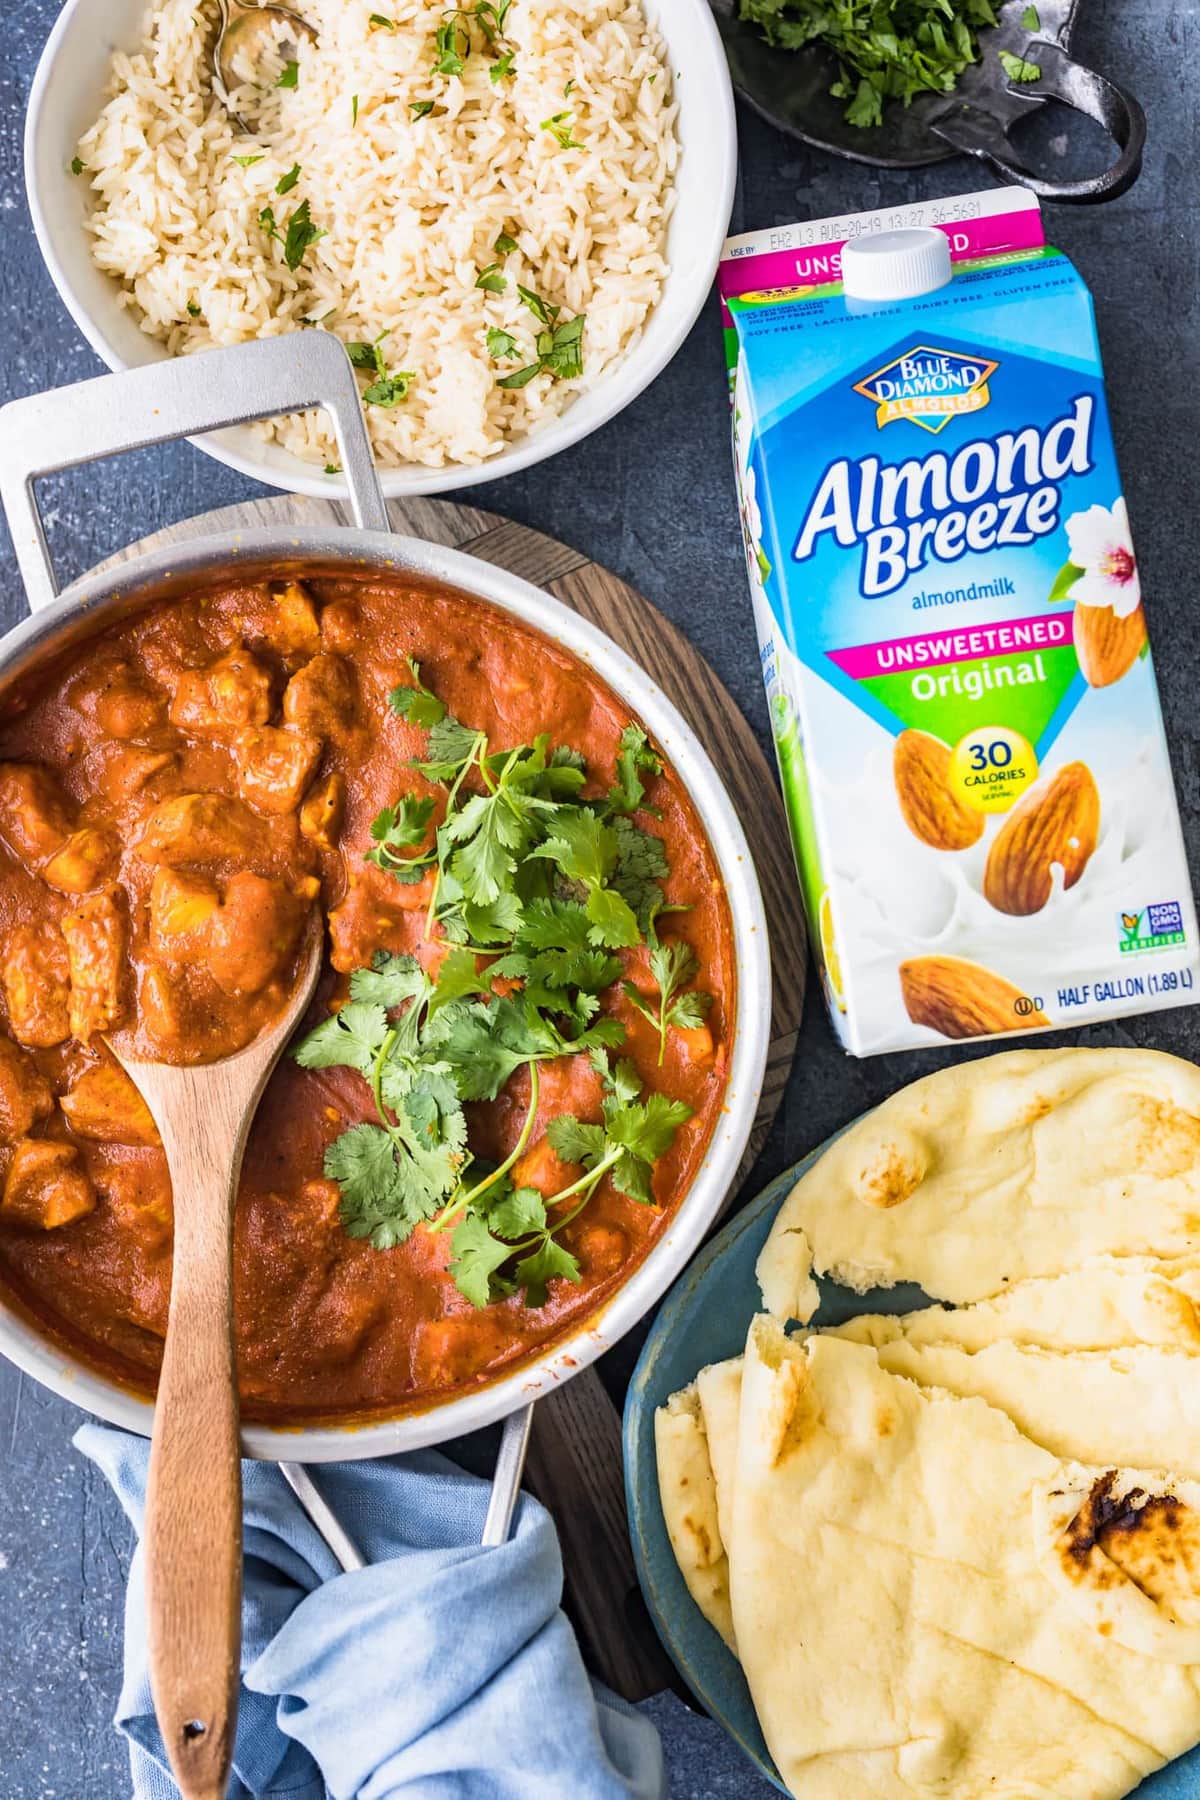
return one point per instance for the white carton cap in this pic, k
(896, 265)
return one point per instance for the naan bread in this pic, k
(695, 1436)
(688, 1492)
(992, 1171)
(720, 1390)
(1139, 1407)
(925, 1602)
(1108, 1303)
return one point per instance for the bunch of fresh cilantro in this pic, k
(887, 49)
(547, 887)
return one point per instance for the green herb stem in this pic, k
(462, 1200)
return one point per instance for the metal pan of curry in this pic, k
(518, 1099)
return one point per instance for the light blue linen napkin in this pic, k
(442, 1671)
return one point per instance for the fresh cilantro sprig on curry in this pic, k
(535, 891)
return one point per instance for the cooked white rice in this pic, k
(411, 206)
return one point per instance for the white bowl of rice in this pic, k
(512, 213)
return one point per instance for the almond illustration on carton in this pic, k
(1107, 646)
(1058, 821)
(962, 999)
(932, 810)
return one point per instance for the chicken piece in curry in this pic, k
(175, 795)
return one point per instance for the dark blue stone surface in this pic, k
(651, 496)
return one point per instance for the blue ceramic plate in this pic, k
(704, 1319)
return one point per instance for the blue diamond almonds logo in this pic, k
(928, 387)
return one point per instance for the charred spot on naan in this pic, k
(892, 1169)
(1166, 1140)
(1152, 1540)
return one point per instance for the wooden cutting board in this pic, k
(575, 1455)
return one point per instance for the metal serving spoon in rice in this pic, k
(244, 35)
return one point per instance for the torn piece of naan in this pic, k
(720, 1389)
(695, 1436)
(927, 1604)
(1137, 1406)
(1016, 1165)
(1108, 1303)
(687, 1489)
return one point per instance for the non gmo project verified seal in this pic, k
(1156, 927)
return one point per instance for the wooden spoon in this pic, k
(193, 1529)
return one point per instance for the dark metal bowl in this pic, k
(791, 89)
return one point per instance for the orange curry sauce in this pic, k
(169, 796)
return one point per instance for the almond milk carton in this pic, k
(951, 627)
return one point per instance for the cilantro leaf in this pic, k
(491, 280)
(542, 310)
(350, 1039)
(389, 390)
(432, 1126)
(465, 1037)
(421, 109)
(632, 1138)
(490, 832)
(635, 758)
(399, 831)
(641, 866)
(560, 125)
(290, 77)
(477, 1256)
(457, 978)
(563, 356)
(381, 1200)
(500, 343)
(517, 1213)
(647, 1128)
(613, 921)
(622, 1082)
(390, 981)
(553, 925)
(287, 182)
(549, 1262)
(504, 245)
(416, 705)
(521, 378)
(453, 45)
(583, 846)
(1019, 68)
(452, 747)
(575, 1143)
(301, 235)
(672, 965)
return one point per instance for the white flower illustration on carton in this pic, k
(1101, 577)
(1102, 553)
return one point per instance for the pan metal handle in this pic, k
(502, 1503)
(182, 397)
(979, 132)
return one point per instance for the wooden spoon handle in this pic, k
(193, 1536)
